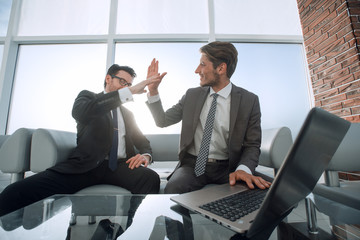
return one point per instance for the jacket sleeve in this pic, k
(164, 119)
(251, 145)
(88, 105)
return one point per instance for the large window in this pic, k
(65, 17)
(57, 48)
(274, 72)
(275, 17)
(162, 16)
(5, 6)
(179, 60)
(47, 81)
(59, 72)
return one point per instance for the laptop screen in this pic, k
(316, 143)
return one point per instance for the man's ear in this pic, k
(222, 68)
(108, 79)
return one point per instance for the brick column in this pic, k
(331, 31)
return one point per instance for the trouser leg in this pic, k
(37, 187)
(139, 180)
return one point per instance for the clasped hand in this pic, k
(153, 79)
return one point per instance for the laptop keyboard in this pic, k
(237, 205)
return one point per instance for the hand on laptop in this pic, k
(250, 180)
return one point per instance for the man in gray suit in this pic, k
(232, 153)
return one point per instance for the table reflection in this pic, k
(109, 217)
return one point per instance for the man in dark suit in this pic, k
(232, 153)
(90, 162)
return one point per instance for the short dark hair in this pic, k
(221, 52)
(115, 68)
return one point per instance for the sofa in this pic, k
(35, 150)
(338, 198)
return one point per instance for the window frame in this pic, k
(12, 42)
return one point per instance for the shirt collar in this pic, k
(225, 92)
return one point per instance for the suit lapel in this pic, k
(234, 107)
(200, 100)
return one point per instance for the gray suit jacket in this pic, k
(245, 130)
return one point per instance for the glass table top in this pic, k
(126, 217)
(109, 217)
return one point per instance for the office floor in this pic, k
(298, 214)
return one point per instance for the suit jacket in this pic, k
(95, 132)
(244, 130)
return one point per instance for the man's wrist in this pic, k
(153, 92)
(152, 99)
(125, 95)
(244, 168)
(148, 157)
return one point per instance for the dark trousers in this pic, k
(47, 183)
(183, 179)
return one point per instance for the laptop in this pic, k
(313, 148)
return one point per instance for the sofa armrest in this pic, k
(3, 139)
(275, 144)
(50, 147)
(341, 199)
(346, 157)
(15, 153)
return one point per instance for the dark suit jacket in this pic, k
(95, 132)
(245, 130)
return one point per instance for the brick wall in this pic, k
(331, 30)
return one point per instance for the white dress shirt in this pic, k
(218, 145)
(125, 96)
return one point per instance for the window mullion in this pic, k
(211, 20)
(8, 65)
(110, 57)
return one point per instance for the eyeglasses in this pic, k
(122, 81)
